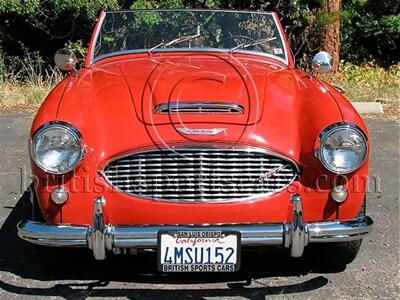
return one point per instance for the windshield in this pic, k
(153, 31)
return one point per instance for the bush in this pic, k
(371, 31)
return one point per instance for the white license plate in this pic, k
(198, 251)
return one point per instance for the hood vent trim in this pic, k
(199, 108)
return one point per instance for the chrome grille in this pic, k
(200, 174)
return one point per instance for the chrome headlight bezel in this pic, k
(75, 134)
(327, 132)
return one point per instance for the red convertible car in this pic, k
(192, 132)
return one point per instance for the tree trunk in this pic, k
(330, 33)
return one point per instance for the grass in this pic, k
(21, 95)
(369, 83)
(24, 83)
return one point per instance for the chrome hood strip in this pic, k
(199, 108)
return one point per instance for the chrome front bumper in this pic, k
(101, 237)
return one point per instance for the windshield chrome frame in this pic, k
(93, 60)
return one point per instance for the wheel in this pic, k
(335, 254)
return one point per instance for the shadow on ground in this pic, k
(23, 260)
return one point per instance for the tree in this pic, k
(330, 31)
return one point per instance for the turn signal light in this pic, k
(339, 193)
(59, 195)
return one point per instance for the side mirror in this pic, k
(65, 59)
(322, 63)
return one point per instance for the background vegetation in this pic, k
(32, 30)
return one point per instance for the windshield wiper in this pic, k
(174, 42)
(255, 43)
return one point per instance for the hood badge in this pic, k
(202, 131)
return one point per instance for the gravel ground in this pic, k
(375, 272)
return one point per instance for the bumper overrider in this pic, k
(101, 237)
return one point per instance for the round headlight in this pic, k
(56, 148)
(343, 148)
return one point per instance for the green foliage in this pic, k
(146, 4)
(369, 82)
(19, 6)
(77, 47)
(152, 4)
(369, 74)
(31, 8)
(371, 31)
(32, 30)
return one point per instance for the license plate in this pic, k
(198, 251)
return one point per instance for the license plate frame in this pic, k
(205, 268)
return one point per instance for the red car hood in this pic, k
(201, 78)
(113, 103)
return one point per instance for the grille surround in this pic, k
(119, 174)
